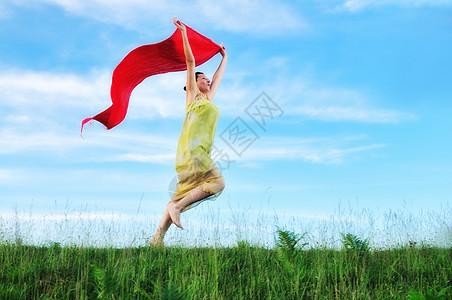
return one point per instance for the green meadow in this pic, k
(350, 255)
(289, 270)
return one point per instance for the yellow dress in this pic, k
(194, 166)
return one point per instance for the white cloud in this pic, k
(359, 5)
(113, 147)
(4, 11)
(322, 150)
(96, 146)
(329, 150)
(246, 16)
(159, 96)
(27, 92)
(34, 100)
(251, 16)
(333, 113)
(305, 97)
(146, 158)
(43, 113)
(6, 175)
(15, 142)
(27, 89)
(313, 100)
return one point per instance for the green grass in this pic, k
(288, 271)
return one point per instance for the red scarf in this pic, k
(148, 60)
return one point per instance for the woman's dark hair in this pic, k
(196, 78)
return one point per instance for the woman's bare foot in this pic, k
(156, 241)
(174, 213)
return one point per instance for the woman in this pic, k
(198, 176)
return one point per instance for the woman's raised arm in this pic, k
(190, 60)
(216, 79)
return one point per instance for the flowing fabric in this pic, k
(194, 166)
(166, 56)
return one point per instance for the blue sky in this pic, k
(364, 86)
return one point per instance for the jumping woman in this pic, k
(199, 178)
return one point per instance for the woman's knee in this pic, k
(221, 183)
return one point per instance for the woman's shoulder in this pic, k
(199, 97)
(197, 103)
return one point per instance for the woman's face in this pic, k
(203, 83)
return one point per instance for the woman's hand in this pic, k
(223, 50)
(179, 25)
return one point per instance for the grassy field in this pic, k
(287, 271)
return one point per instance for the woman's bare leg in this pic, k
(165, 223)
(174, 209)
